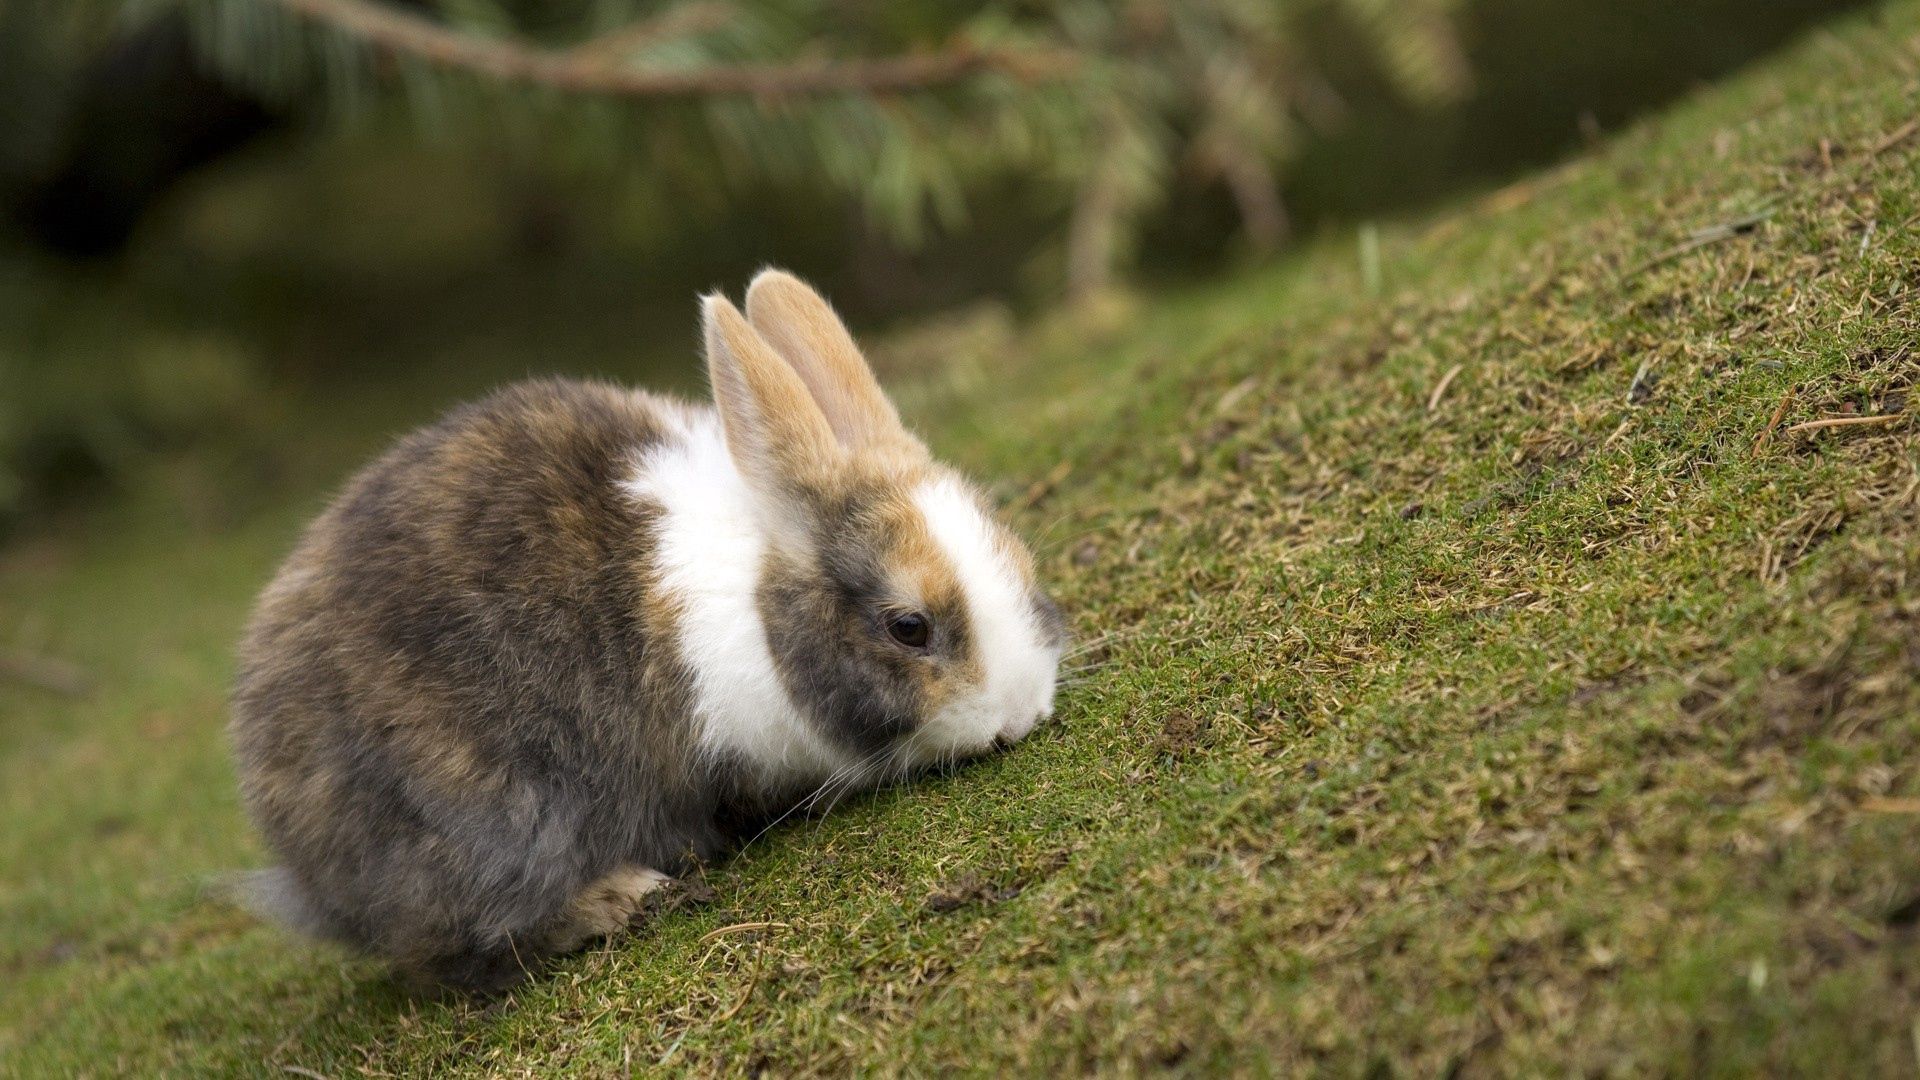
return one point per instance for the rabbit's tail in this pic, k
(275, 895)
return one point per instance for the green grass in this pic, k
(1539, 725)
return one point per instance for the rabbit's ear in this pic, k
(774, 430)
(801, 326)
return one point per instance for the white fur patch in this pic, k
(709, 556)
(1017, 664)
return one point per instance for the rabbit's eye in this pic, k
(910, 629)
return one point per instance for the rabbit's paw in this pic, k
(607, 906)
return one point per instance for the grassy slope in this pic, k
(1547, 728)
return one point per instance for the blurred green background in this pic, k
(239, 244)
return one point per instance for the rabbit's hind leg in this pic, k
(605, 907)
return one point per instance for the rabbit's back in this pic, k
(458, 699)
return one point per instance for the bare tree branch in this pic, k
(1256, 193)
(593, 68)
(1099, 215)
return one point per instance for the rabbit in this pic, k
(551, 652)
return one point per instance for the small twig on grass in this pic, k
(1843, 421)
(1779, 414)
(1641, 388)
(45, 672)
(1712, 234)
(1618, 433)
(741, 928)
(300, 1070)
(1236, 394)
(1044, 486)
(1890, 804)
(1440, 388)
(675, 1047)
(1894, 138)
(759, 966)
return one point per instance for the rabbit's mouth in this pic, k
(1021, 726)
(983, 724)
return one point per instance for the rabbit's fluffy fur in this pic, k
(557, 646)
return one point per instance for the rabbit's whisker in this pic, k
(846, 775)
(1082, 647)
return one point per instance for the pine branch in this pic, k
(684, 21)
(592, 68)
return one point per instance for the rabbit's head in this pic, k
(903, 622)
